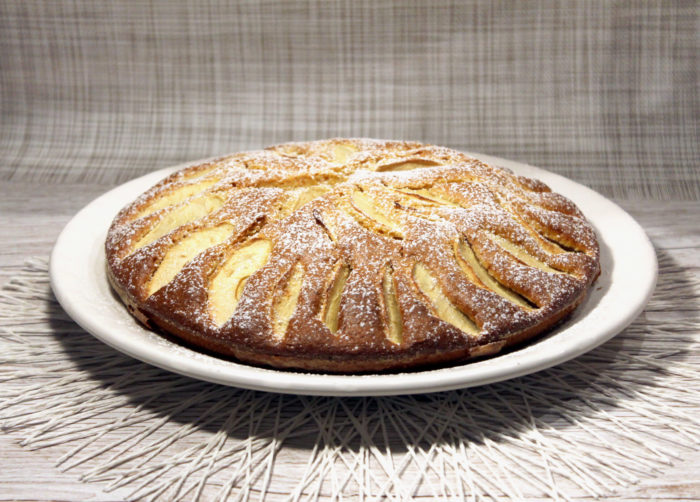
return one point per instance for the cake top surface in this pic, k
(348, 248)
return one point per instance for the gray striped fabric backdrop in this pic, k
(605, 93)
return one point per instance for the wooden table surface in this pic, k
(32, 217)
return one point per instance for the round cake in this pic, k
(351, 255)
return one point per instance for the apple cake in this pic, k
(351, 255)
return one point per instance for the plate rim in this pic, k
(231, 373)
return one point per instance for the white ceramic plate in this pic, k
(627, 280)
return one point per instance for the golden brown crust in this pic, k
(351, 256)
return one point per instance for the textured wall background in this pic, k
(603, 92)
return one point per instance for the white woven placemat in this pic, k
(612, 417)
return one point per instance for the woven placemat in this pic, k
(619, 414)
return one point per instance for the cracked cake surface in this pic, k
(351, 255)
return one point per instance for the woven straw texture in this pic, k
(617, 415)
(604, 93)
